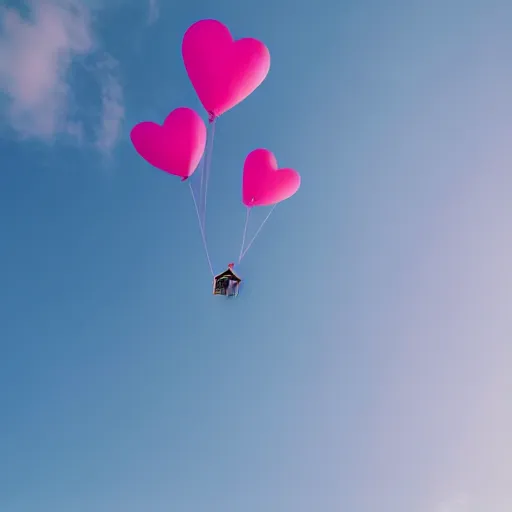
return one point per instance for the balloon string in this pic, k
(244, 234)
(201, 186)
(257, 232)
(206, 169)
(205, 245)
(200, 171)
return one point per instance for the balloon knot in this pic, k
(211, 117)
(185, 178)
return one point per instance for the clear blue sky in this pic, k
(366, 365)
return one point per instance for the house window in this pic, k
(221, 285)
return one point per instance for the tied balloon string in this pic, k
(247, 213)
(199, 187)
(207, 168)
(203, 236)
(257, 232)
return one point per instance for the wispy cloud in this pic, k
(153, 12)
(112, 106)
(458, 503)
(36, 61)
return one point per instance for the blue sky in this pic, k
(366, 365)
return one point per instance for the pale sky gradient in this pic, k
(365, 367)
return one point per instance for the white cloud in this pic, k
(36, 58)
(154, 11)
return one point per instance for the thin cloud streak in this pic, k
(113, 112)
(457, 504)
(154, 12)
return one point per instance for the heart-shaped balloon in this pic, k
(222, 71)
(263, 183)
(175, 147)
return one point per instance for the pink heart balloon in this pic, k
(175, 147)
(263, 183)
(222, 71)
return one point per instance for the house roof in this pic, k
(228, 272)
